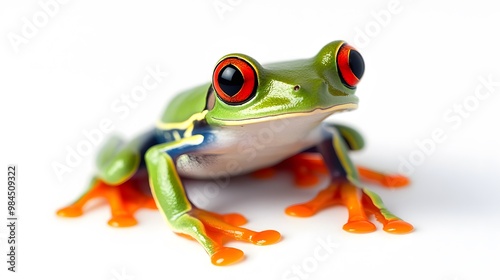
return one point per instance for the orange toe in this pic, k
(362, 226)
(299, 210)
(395, 181)
(70, 212)
(398, 227)
(234, 219)
(122, 221)
(266, 237)
(226, 256)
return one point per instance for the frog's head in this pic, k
(244, 92)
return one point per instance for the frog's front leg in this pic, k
(118, 181)
(205, 227)
(345, 188)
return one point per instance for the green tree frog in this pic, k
(215, 129)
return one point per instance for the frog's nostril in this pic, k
(350, 65)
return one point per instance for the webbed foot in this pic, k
(124, 200)
(213, 230)
(359, 203)
(307, 168)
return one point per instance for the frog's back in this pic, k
(185, 104)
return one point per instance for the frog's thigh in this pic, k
(117, 161)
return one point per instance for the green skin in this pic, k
(293, 91)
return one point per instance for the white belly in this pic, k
(242, 149)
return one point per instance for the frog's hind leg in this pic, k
(124, 200)
(119, 181)
(76, 208)
(306, 167)
(373, 204)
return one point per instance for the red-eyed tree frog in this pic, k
(211, 129)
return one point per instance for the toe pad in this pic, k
(226, 256)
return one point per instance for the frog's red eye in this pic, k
(350, 65)
(234, 80)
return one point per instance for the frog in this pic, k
(249, 119)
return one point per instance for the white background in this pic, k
(422, 61)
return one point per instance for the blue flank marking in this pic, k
(166, 136)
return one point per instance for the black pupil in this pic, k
(230, 80)
(356, 63)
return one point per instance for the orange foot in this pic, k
(124, 200)
(308, 167)
(221, 228)
(358, 202)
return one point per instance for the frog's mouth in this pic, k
(319, 113)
